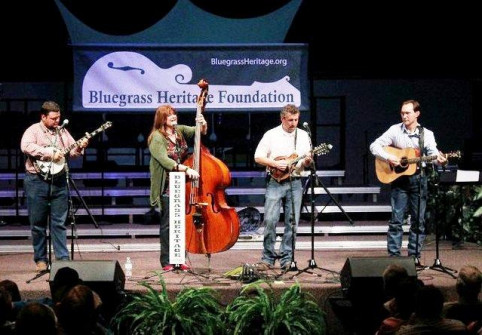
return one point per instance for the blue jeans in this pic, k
(406, 193)
(278, 195)
(47, 201)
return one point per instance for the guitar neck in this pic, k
(315, 150)
(422, 159)
(72, 146)
(77, 143)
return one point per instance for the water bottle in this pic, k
(128, 267)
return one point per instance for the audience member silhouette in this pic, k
(6, 326)
(35, 318)
(468, 307)
(392, 275)
(427, 318)
(12, 288)
(64, 280)
(401, 306)
(17, 301)
(77, 312)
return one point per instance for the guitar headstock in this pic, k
(322, 149)
(454, 154)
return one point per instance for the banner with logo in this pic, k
(259, 77)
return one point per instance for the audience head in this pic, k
(429, 302)
(36, 318)
(12, 288)
(469, 283)
(405, 296)
(77, 312)
(64, 280)
(392, 275)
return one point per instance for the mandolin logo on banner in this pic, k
(241, 78)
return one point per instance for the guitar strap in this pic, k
(421, 146)
(420, 140)
(296, 137)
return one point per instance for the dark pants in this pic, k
(47, 203)
(407, 192)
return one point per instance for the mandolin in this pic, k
(280, 175)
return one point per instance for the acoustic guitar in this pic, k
(47, 169)
(386, 173)
(280, 175)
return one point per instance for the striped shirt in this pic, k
(38, 143)
(399, 136)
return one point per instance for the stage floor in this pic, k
(323, 282)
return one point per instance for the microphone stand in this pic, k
(319, 182)
(312, 262)
(71, 181)
(313, 178)
(71, 214)
(437, 264)
(418, 264)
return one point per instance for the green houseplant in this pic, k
(257, 311)
(193, 311)
(455, 209)
(478, 201)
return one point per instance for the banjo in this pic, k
(49, 168)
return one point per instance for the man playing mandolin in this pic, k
(46, 188)
(277, 151)
(408, 191)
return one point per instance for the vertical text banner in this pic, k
(177, 218)
(259, 77)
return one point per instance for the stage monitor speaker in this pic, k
(104, 277)
(361, 277)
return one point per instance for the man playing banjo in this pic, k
(45, 183)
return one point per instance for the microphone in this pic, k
(307, 128)
(63, 125)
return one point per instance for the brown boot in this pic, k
(41, 266)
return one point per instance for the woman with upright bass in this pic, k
(206, 210)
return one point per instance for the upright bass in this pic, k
(211, 225)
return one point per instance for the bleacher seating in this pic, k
(118, 194)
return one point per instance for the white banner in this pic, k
(240, 77)
(177, 218)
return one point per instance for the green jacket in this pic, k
(160, 163)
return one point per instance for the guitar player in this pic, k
(405, 189)
(47, 191)
(275, 151)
